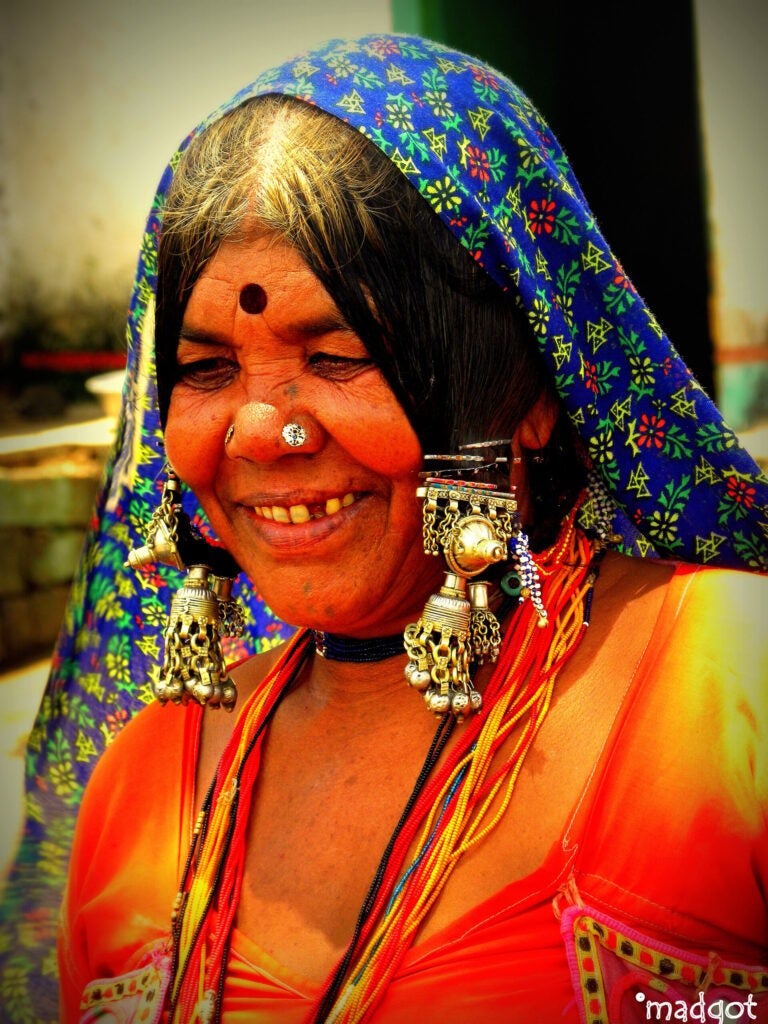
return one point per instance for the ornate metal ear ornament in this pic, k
(162, 539)
(523, 582)
(597, 512)
(471, 523)
(202, 611)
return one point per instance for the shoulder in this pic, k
(147, 736)
(706, 685)
(151, 749)
(730, 595)
(712, 623)
(715, 619)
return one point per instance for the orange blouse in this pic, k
(655, 891)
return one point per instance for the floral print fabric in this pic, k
(480, 154)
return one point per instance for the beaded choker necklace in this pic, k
(453, 806)
(335, 647)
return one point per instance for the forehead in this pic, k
(241, 269)
(267, 261)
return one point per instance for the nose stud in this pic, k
(294, 435)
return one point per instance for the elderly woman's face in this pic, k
(329, 531)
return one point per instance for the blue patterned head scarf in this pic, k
(480, 154)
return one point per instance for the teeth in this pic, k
(301, 513)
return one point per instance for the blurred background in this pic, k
(662, 108)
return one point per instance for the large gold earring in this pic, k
(202, 611)
(471, 523)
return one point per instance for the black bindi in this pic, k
(253, 298)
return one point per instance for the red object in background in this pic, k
(73, 362)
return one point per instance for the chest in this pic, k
(328, 801)
(320, 825)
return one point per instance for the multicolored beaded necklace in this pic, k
(451, 809)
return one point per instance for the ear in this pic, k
(535, 428)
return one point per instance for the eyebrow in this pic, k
(311, 328)
(201, 336)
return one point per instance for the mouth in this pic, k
(303, 513)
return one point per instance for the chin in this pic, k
(362, 611)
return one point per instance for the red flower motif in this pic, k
(477, 161)
(651, 431)
(621, 280)
(666, 366)
(541, 216)
(116, 721)
(383, 47)
(544, 143)
(590, 377)
(481, 75)
(154, 580)
(740, 491)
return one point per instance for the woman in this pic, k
(580, 833)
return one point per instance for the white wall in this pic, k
(96, 94)
(732, 37)
(733, 62)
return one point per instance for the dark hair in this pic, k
(456, 350)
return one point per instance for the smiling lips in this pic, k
(297, 514)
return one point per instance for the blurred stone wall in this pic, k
(46, 502)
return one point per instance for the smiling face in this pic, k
(330, 532)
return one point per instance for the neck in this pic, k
(336, 647)
(346, 685)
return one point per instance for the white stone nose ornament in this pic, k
(294, 435)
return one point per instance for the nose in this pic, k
(262, 433)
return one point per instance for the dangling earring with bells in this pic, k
(472, 523)
(202, 611)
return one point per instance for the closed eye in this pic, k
(207, 374)
(335, 367)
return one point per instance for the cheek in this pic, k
(377, 433)
(194, 440)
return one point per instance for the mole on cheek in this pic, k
(253, 298)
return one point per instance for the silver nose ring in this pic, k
(294, 434)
